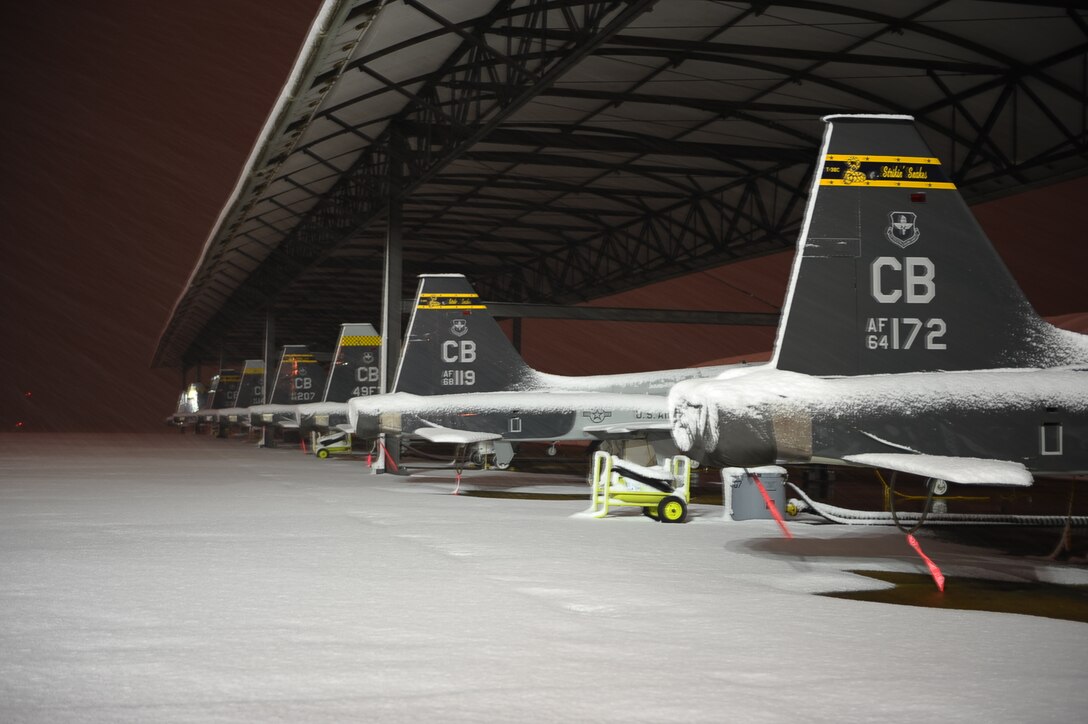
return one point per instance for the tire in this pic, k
(322, 453)
(650, 511)
(672, 509)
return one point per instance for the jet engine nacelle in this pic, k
(719, 438)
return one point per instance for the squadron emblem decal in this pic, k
(459, 328)
(853, 174)
(368, 358)
(904, 229)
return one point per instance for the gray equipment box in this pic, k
(741, 495)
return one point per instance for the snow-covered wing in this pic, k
(970, 471)
(449, 435)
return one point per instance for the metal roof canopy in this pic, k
(562, 150)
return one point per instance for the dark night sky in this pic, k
(126, 124)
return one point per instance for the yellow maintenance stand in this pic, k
(663, 492)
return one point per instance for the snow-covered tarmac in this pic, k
(170, 578)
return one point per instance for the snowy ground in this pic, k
(173, 578)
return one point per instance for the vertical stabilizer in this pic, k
(250, 390)
(194, 398)
(355, 368)
(300, 377)
(893, 272)
(224, 390)
(453, 344)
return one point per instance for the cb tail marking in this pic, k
(888, 279)
(454, 345)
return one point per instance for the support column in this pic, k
(267, 437)
(202, 400)
(392, 273)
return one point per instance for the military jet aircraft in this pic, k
(299, 378)
(190, 403)
(250, 392)
(222, 393)
(461, 381)
(355, 372)
(905, 343)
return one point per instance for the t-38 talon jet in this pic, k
(461, 381)
(222, 393)
(355, 372)
(250, 392)
(299, 378)
(905, 343)
(190, 403)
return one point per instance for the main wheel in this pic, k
(322, 453)
(650, 512)
(672, 509)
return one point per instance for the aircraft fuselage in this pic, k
(545, 416)
(1037, 417)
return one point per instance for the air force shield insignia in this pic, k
(904, 229)
(459, 327)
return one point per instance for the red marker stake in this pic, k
(934, 571)
(771, 506)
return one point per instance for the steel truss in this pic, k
(622, 206)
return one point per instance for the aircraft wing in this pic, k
(447, 434)
(969, 471)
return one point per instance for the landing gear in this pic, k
(500, 452)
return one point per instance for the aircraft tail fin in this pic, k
(224, 389)
(300, 377)
(894, 274)
(355, 369)
(453, 344)
(195, 400)
(250, 389)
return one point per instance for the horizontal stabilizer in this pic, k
(969, 471)
(460, 437)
